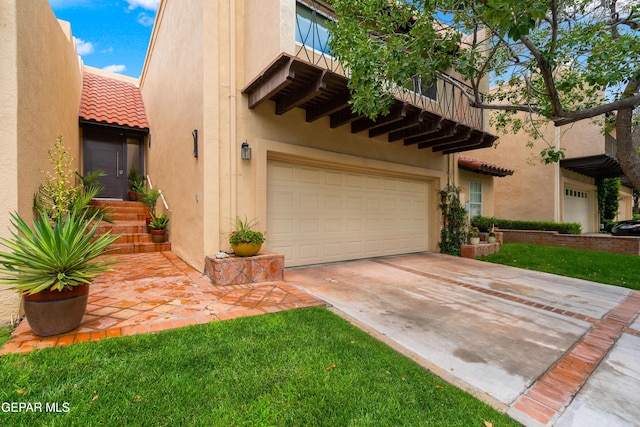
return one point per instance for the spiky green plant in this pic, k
(54, 254)
(159, 222)
(244, 232)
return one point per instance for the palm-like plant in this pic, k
(54, 254)
(159, 222)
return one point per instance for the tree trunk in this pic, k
(628, 144)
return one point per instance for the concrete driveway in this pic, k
(546, 349)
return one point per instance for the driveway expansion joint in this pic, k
(547, 398)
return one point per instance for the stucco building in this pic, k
(565, 191)
(325, 184)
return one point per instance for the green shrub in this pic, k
(560, 227)
(454, 221)
(608, 225)
(483, 223)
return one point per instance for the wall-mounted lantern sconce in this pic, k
(246, 151)
(195, 142)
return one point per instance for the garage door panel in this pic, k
(319, 215)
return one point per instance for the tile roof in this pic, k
(110, 101)
(479, 166)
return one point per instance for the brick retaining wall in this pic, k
(592, 242)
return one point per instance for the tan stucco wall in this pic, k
(9, 300)
(625, 204)
(201, 55)
(39, 99)
(172, 85)
(487, 189)
(584, 138)
(258, 46)
(532, 192)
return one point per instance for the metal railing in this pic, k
(451, 101)
(610, 146)
(164, 201)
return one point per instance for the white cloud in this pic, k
(83, 47)
(115, 68)
(145, 19)
(145, 4)
(107, 50)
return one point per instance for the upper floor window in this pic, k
(312, 28)
(422, 88)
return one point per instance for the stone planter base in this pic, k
(473, 251)
(265, 267)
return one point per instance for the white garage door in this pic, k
(578, 207)
(317, 215)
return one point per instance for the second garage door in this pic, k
(317, 214)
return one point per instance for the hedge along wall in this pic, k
(595, 242)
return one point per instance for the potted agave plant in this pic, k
(158, 226)
(53, 262)
(244, 240)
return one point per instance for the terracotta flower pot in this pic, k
(56, 312)
(159, 236)
(246, 249)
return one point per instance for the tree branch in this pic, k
(575, 116)
(547, 76)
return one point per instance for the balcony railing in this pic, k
(610, 146)
(451, 102)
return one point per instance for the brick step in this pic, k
(128, 221)
(133, 216)
(138, 248)
(117, 203)
(133, 238)
(123, 227)
(129, 207)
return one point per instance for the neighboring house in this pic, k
(325, 184)
(564, 191)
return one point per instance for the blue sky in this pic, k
(112, 35)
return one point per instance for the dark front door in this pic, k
(107, 153)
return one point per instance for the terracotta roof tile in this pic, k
(480, 166)
(113, 102)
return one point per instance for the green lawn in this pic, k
(602, 267)
(303, 367)
(5, 333)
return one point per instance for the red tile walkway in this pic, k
(158, 291)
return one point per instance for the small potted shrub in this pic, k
(244, 240)
(158, 226)
(136, 184)
(149, 199)
(474, 236)
(491, 237)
